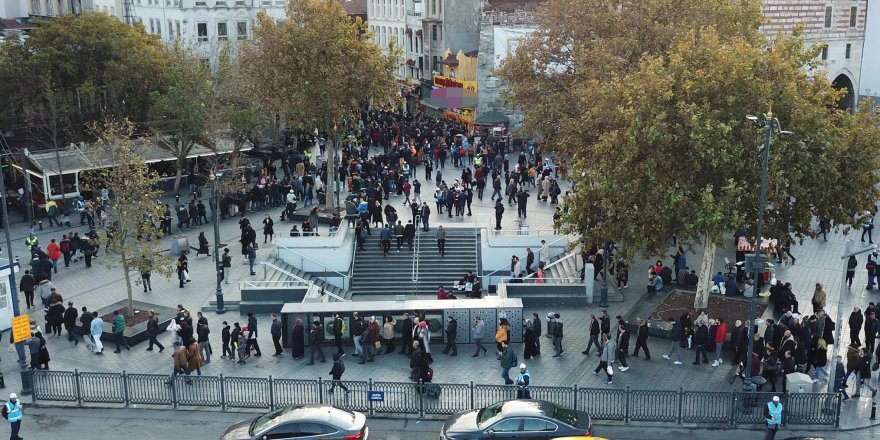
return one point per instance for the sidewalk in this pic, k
(817, 262)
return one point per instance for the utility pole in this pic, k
(218, 262)
(28, 200)
(16, 311)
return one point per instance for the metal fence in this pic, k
(667, 407)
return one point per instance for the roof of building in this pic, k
(511, 5)
(354, 7)
(11, 23)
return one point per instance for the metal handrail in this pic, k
(285, 272)
(570, 255)
(534, 280)
(507, 267)
(276, 283)
(417, 246)
(345, 276)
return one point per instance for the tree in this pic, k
(131, 240)
(96, 66)
(316, 68)
(649, 100)
(180, 113)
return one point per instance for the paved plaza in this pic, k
(817, 261)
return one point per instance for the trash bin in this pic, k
(179, 245)
(523, 229)
(799, 383)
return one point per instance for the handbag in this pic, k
(378, 345)
(468, 287)
(610, 370)
(186, 275)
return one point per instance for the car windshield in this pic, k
(565, 415)
(266, 421)
(489, 412)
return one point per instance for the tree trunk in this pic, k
(701, 298)
(330, 184)
(179, 174)
(127, 271)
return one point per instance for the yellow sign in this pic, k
(21, 328)
(445, 81)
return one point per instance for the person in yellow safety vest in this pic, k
(52, 213)
(773, 415)
(31, 241)
(12, 413)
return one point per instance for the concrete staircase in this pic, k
(277, 275)
(566, 269)
(375, 274)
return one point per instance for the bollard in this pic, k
(2, 381)
(40, 223)
(873, 410)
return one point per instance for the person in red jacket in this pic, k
(54, 253)
(720, 336)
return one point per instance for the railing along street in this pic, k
(605, 405)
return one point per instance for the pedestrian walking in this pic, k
(338, 328)
(864, 374)
(370, 341)
(225, 341)
(336, 373)
(594, 337)
(609, 349)
(451, 333)
(118, 332)
(523, 381)
(388, 334)
(297, 339)
(557, 336)
(70, 316)
(477, 334)
(316, 338)
(700, 343)
(241, 346)
(508, 360)
(276, 330)
(441, 240)
(202, 332)
(97, 328)
(622, 346)
(676, 341)
(251, 257)
(357, 330)
(268, 229)
(773, 415)
(642, 339)
(182, 269)
(406, 329)
(27, 285)
(252, 343)
(12, 413)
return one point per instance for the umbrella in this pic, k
(452, 97)
(492, 118)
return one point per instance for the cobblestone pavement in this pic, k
(817, 261)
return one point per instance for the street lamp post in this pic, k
(757, 263)
(16, 311)
(603, 291)
(218, 262)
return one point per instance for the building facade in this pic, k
(837, 24)
(206, 26)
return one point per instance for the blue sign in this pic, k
(376, 396)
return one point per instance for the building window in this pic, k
(202, 31)
(267, 2)
(433, 6)
(853, 15)
(170, 29)
(440, 6)
(177, 28)
(848, 50)
(220, 3)
(825, 53)
(222, 34)
(828, 11)
(200, 3)
(434, 32)
(152, 27)
(439, 31)
(239, 2)
(241, 30)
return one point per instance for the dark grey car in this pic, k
(302, 422)
(520, 419)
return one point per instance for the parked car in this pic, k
(522, 418)
(302, 422)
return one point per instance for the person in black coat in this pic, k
(70, 315)
(864, 369)
(27, 285)
(406, 334)
(642, 339)
(622, 346)
(536, 327)
(225, 338)
(856, 319)
(336, 373)
(701, 343)
(529, 340)
(297, 340)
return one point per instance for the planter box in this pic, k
(137, 333)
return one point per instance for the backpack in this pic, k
(514, 359)
(5, 412)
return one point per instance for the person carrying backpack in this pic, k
(508, 360)
(12, 412)
(336, 372)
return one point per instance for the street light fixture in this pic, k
(757, 263)
(218, 262)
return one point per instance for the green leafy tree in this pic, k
(95, 66)
(316, 68)
(131, 241)
(649, 100)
